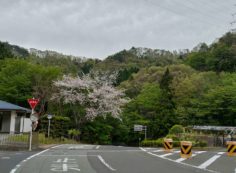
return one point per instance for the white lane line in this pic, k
(193, 155)
(97, 147)
(209, 162)
(4, 158)
(168, 154)
(221, 153)
(57, 146)
(17, 166)
(182, 163)
(142, 149)
(105, 163)
(156, 151)
(200, 152)
(64, 155)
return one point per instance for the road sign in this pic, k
(168, 145)
(138, 128)
(186, 149)
(231, 146)
(49, 116)
(34, 117)
(33, 102)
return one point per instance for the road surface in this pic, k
(117, 159)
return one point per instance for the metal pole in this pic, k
(145, 129)
(49, 123)
(30, 141)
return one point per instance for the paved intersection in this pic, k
(213, 161)
(109, 159)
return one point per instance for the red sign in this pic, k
(33, 102)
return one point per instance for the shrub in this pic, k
(73, 133)
(173, 137)
(176, 130)
(200, 143)
(59, 126)
(152, 143)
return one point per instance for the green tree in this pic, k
(5, 51)
(167, 104)
(15, 81)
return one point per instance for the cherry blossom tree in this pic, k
(96, 95)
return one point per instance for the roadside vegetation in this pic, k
(100, 101)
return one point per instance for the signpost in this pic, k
(140, 128)
(33, 117)
(49, 123)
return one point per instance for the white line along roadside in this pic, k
(37, 154)
(106, 164)
(210, 161)
(177, 162)
(195, 154)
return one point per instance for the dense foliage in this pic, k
(165, 88)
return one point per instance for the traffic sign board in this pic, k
(138, 128)
(49, 116)
(34, 117)
(33, 102)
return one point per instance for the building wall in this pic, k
(9, 123)
(13, 121)
(6, 119)
(25, 124)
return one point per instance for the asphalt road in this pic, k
(109, 159)
(9, 159)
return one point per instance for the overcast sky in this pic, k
(98, 28)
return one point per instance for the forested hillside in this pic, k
(105, 98)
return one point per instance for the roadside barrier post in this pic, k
(168, 144)
(231, 148)
(186, 149)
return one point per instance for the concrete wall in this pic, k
(12, 123)
(25, 124)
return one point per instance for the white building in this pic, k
(13, 118)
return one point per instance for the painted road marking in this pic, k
(97, 147)
(156, 151)
(209, 162)
(64, 165)
(76, 147)
(182, 163)
(82, 155)
(148, 148)
(193, 155)
(17, 166)
(221, 153)
(168, 154)
(4, 158)
(142, 149)
(106, 164)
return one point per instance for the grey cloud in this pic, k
(97, 28)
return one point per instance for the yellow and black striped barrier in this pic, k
(168, 145)
(231, 148)
(186, 149)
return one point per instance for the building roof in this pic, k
(5, 106)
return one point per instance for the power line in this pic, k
(200, 16)
(233, 22)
